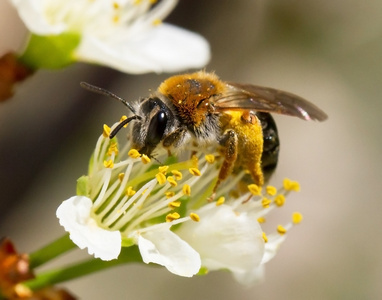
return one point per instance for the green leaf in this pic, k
(50, 52)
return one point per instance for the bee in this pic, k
(201, 108)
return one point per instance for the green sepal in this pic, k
(127, 242)
(82, 188)
(50, 52)
(202, 271)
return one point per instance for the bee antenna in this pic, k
(123, 123)
(98, 90)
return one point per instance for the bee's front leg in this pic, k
(229, 142)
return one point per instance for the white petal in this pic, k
(273, 245)
(74, 216)
(225, 239)
(165, 248)
(163, 48)
(33, 15)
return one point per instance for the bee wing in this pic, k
(252, 97)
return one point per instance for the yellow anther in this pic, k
(108, 164)
(161, 178)
(137, 2)
(265, 238)
(186, 190)
(210, 158)
(220, 201)
(123, 118)
(172, 181)
(172, 216)
(281, 229)
(133, 153)
(130, 191)
(261, 220)
(169, 194)
(145, 159)
(157, 22)
(194, 217)
(115, 18)
(265, 202)
(115, 5)
(296, 218)
(121, 176)
(254, 189)
(113, 148)
(106, 131)
(291, 185)
(174, 204)
(195, 160)
(280, 200)
(195, 171)
(163, 169)
(271, 190)
(177, 175)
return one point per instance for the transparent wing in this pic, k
(251, 97)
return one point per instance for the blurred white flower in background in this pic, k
(127, 35)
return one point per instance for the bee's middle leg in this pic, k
(229, 142)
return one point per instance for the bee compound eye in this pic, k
(156, 128)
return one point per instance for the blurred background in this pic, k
(329, 52)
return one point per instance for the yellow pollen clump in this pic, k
(106, 131)
(121, 176)
(220, 201)
(108, 164)
(172, 181)
(281, 230)
(261, 220)
(130, 191)
(160, 178)
(265, 238)
(271, 190)
(279, 200)
(296, 218)
(210, 158)
(291, 185)
(145, 159)
(195, 171)
(169, 194)
(177, 175)
(254, 189)
(172, 216)
(186, 190)
(123, 118)
(133, 153)
(163, 169)
(265, 202)
(194, 217)
(174, 204)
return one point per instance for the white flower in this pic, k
(124, 34)
(127, 200)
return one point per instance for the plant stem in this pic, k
(50, 251)
(130, 254)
